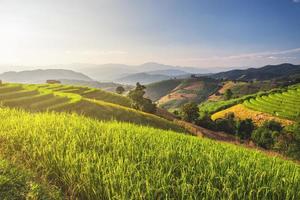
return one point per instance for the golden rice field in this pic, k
(242, 112)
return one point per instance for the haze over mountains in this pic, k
(40, 76)
(146, 73)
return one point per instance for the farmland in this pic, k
(89, 102)
(88, 159)
(284, 104)
(242, 112)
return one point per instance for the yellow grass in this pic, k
(241, 112)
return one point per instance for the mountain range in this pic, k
(264, 73)
(40, 76)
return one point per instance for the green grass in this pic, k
(88, 159)
(281, 104)
(91, 93)
(18, 184)
(211, 107)
(89, 102)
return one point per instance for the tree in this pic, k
(288, 142)
(120, 90)
(190, 112)
(244, 128)
(138, 100)
(228, 94)
(266, 135)
(226, 124)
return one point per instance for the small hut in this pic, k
(53, 82)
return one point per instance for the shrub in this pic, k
(244, 128)
(190, 112)
(120, 90)
(266, 135)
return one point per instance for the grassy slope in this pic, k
(190, 90)
(89, 102)
(242, 112)
(110, 160)
(281, 104)
(159, 89)
(211, 107)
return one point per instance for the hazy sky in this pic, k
(203, 33)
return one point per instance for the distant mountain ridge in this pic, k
(143, 78)
(40, 76)
(264, 73)
(113, 72)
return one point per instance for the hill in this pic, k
(264, 73)
(143, 78)
(279, 105)
(155, 91)
(88, 159)
(107, 86)
(189, 90)
(89, 102)
(40, 76)
(113, 72)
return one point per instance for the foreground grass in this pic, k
(89, 159)
(16, 184)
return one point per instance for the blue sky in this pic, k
(202, 33)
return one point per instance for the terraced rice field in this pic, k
(284, 105)
(89, 102)
(242, 112)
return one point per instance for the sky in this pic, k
(199, 33)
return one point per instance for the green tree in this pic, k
(288, 143)
(266, 135)
(120, 90)
(190, 112)
(244, 128)
(228, 94)
(138, 100)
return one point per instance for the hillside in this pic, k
(189, 90)
(88, 159)
(279, 105)
(89, 102)
(107, 86)
(40, 76)
(264, 73)
(155, 91)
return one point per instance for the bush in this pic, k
(288, 143)
(244, 128)
(266, 135)
(227, 124)
(190, 112)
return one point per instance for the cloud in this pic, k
(97, 53)
(296, 1)
(259, 55)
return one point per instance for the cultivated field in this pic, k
(89, 102)
(284, 104)
(242, 112)
(88, 159)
